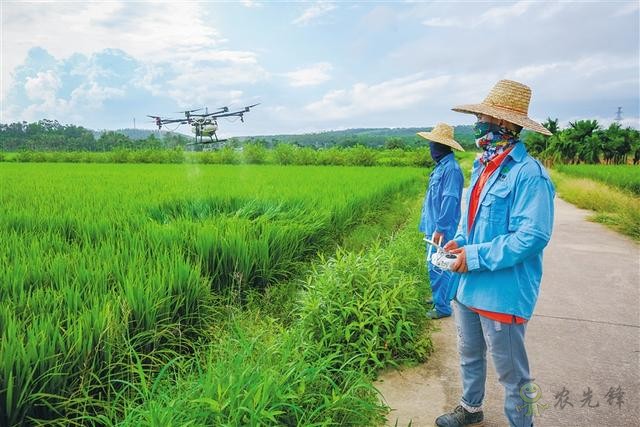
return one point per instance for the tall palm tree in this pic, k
(583, 135)
(551, 125)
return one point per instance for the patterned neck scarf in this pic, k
(493, 139)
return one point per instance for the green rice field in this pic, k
(625, 177)
(104, 267)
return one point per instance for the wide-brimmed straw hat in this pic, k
(509, 101)
(442, 134)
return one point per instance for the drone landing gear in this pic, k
(208, 145)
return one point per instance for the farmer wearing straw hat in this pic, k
(441, 210)
(499, 246)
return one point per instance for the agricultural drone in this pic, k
(203, 124)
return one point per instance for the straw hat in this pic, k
(509, 101)
(442, 134)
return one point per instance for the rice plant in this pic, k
(108, 271)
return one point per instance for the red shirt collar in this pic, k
(497, 161)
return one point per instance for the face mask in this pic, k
(438, 151)
(493, 139)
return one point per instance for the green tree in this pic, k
(395, 142)
(284, 154)
(112, 140)
(589, 150)
(634, 138)
(538, 144)
(551, 125)
(254, 153)
(579, 141)
(617, 143)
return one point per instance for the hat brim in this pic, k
(503, 114)
(441, 140)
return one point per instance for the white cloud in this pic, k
(533, 71)
(201, 85)
(154, 32)
(177, 55)
(493, 16)
(548, 11)
(390, 95)
(440, 22)
(151, 33)
(92, 95)
(42, 90)
(313, 12)
(611, 85)
(500, 14)
(43, 86)
(631, 7)
(310, 76)
(251, 3)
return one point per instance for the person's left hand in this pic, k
(438, 237)
(460, 265)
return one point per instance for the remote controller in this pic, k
(440, 258)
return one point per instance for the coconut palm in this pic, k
(551, 125)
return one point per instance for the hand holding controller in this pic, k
(441, 258)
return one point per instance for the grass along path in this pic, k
(625, 177)
(612, 207)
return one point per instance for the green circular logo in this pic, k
(530, 393)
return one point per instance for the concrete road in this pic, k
(583, 340)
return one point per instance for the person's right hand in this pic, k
(460, 266)
(451, 244)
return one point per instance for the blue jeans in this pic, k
(505, 342)
(441, 283)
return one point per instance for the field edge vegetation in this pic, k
(100, 360)
(357, 313)
(615, 208)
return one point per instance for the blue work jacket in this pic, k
(504, 247)
(441, 207)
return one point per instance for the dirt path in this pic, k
(585, 335)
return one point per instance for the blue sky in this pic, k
(315, 65)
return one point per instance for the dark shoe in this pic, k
(435, 314)
(460, 417)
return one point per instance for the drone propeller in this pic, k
(202, 120)
(220, 110)
(248, 107)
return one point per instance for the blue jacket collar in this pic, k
(518, 153)
(448, 158)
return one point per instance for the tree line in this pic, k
(50, 135)
(387, 138)
(585, 141)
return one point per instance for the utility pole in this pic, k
(134, 123)
(619, 115)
